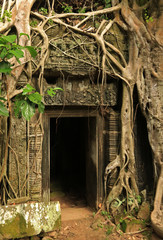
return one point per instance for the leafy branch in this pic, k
(26, 102)
(52, 91)
(9, 49)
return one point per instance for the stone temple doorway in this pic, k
(72, 144)
(69, 151)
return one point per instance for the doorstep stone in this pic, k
(29, 219)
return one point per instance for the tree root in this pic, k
(157, 213)
(109, 168)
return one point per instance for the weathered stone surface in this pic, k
(134, 225)
(144, 212)
(18, 172)
(53, 234)
(75, 60)
(35, 143)
(80, 92)
(23, 220)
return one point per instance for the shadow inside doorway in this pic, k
(69, 157)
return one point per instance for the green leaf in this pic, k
(123, 226)
(52, 91)
(28, 110)
(109, 230)
(57, 88)
(24, 34)
(5, 67)
(17, 106)
(3, 53)
(9, 38)
(32, 51)
(17, 53)
(41, 107)
(139, 199)
(28, 89)
(3, 99)
(16, 46)
(3, 110)
(9, 55)
(19, 97)
(35, 98)
(2, 41)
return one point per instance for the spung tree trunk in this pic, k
(139, 71)
(20, 19)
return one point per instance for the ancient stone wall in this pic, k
(73, 65)
(18, 166)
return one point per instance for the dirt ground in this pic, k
(79, 222)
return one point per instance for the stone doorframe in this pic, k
(72, 112)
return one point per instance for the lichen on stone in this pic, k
(23, 220)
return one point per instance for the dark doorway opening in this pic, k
(71, 142)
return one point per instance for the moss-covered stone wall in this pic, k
(17, 221)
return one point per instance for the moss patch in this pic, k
(13, 228)
(29, 219)
(135, 225)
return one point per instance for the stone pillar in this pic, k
(18, 166)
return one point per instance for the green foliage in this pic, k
(24, 34)
(146, 16)
(99, 225)
(6, 15)
(105, 213)
(52, 91)
(66, 8)
(82, 10)
(123, 224)
(41, 107)
(9, 49)
(117, 203)
(26, 102)
(50, 22)
(104, 16)
(33, 23)
(43, 11)
(118, 227)
(139, 199)
(8, 39)
(147, 233)
(131, 199)
(3, 110)
(109, 230)
(108, 3)
(32, 51)
(5, 67)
